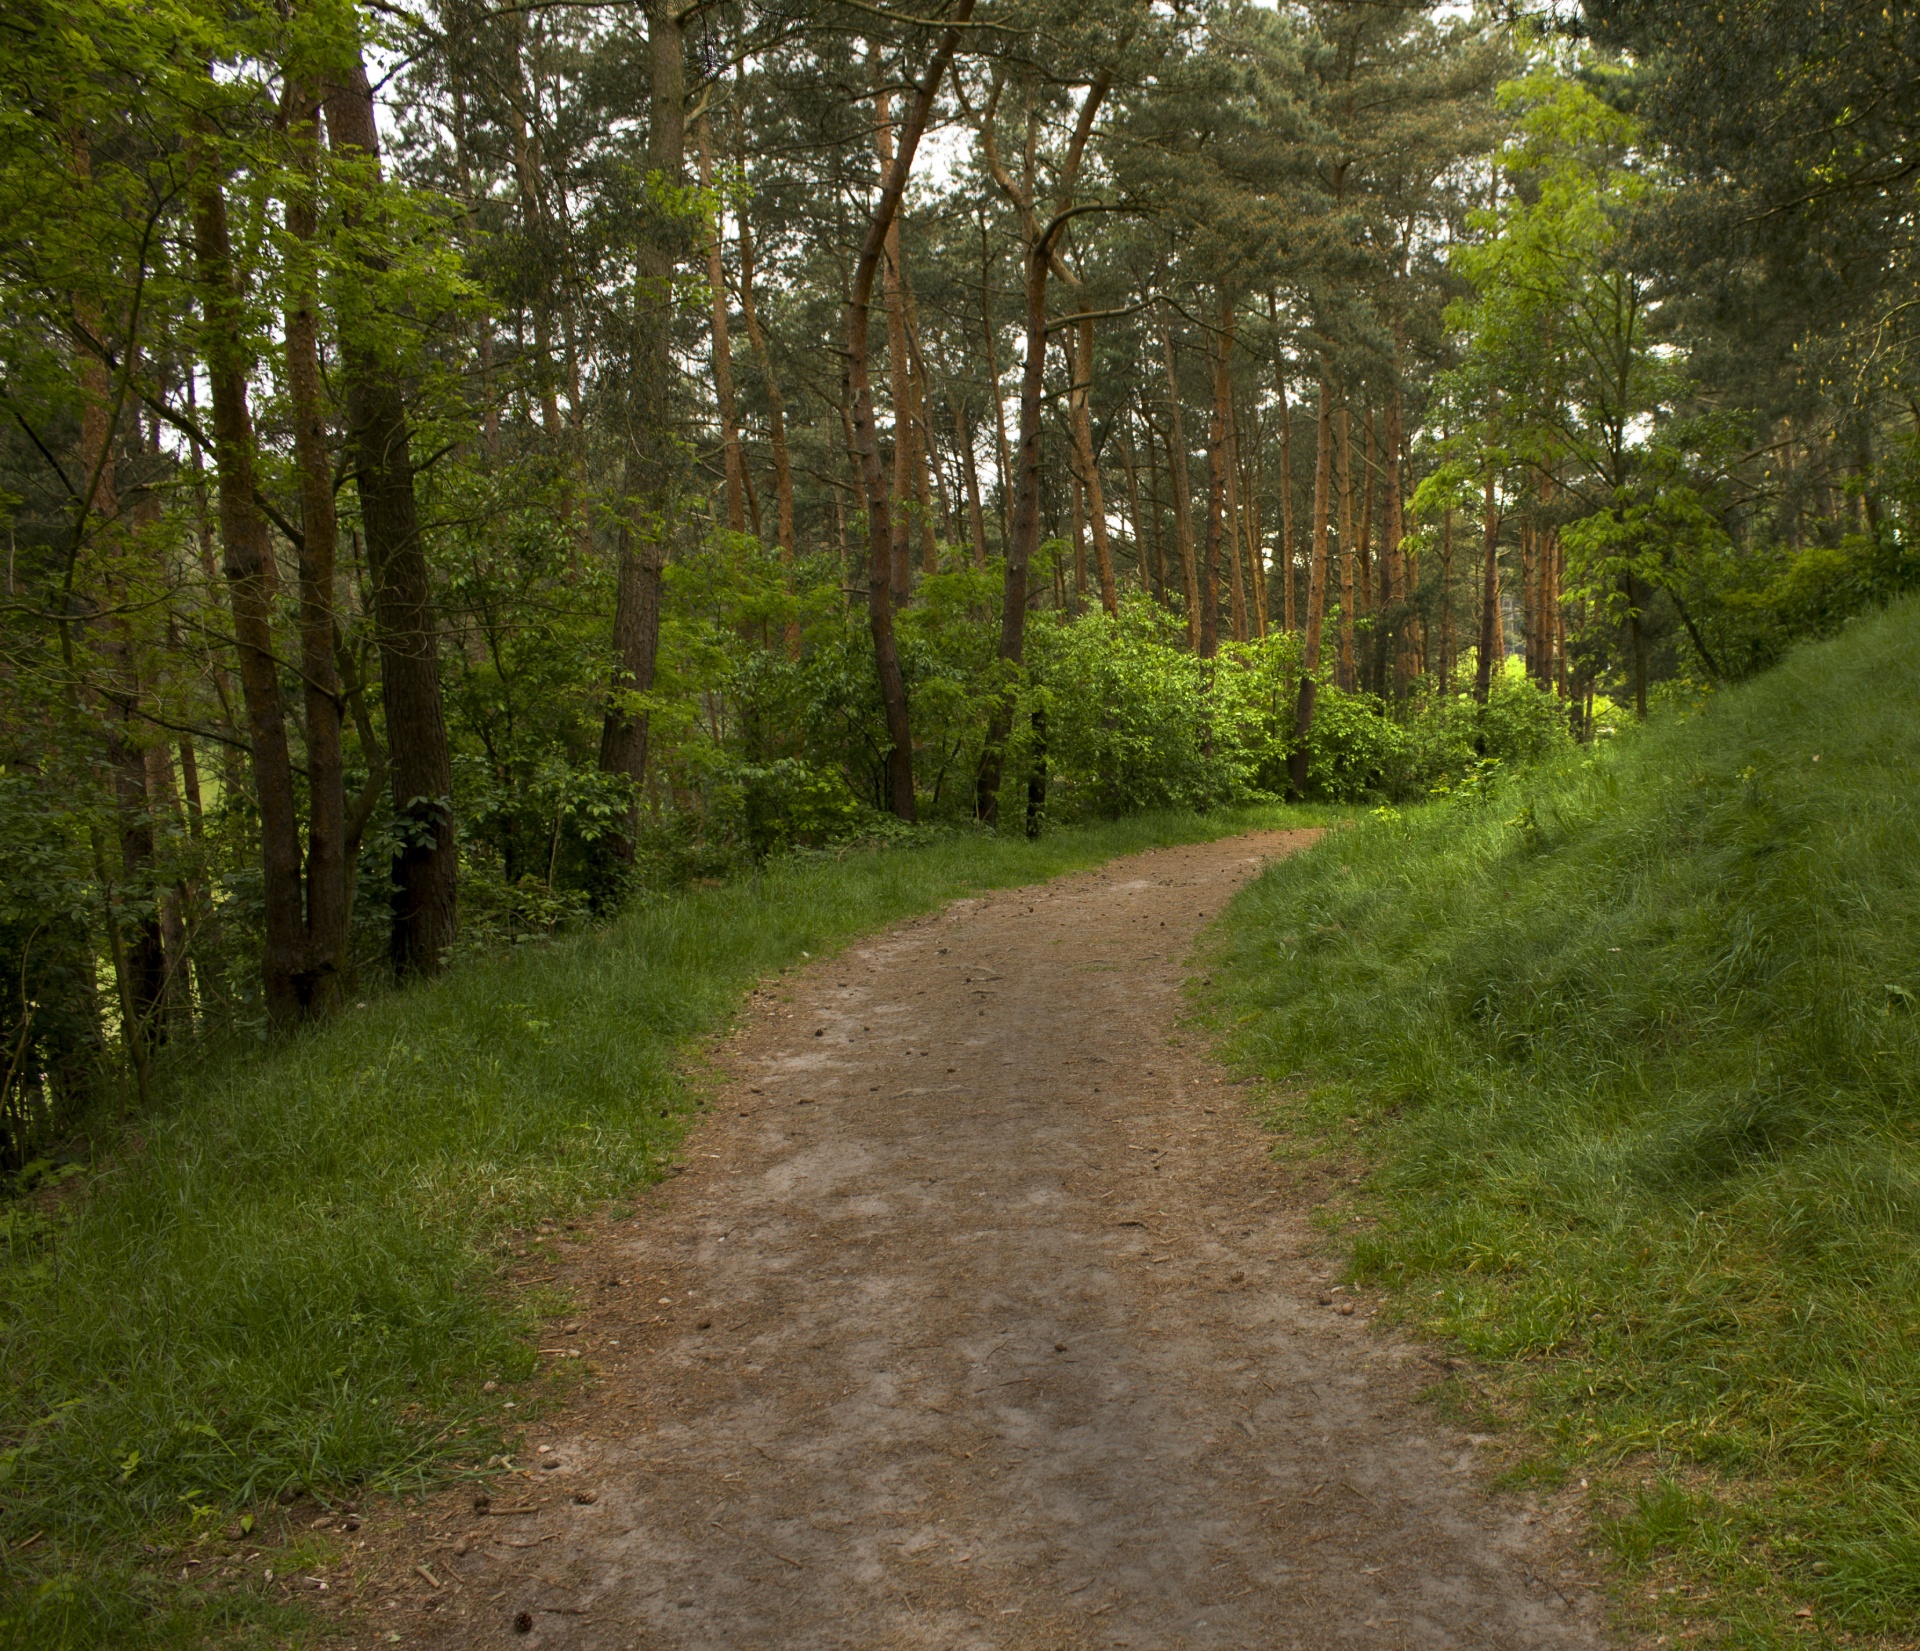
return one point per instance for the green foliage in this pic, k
(1632, 1038)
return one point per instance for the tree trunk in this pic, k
(893, 688)
(970, 474)
(319, 982)
(1026, 505)
(1001, 456)
(1133, 505)
(1156, 525)
(1363, 546)
(1489, 591)
(1316, 594)
(776, 403)
(1287, 617)
(1344, 473)
(1223, 527)
(733, 468)
(1182, 496)
(900, 376)
(426, 868)
(649, 465)
(1396, 590)
(243, 535)
(1082, 398)
(1446, 601)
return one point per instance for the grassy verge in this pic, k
(286, 1281)
(1635, 1046)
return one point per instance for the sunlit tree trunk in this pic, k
(1489, 591)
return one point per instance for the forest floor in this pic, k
(982, 1315)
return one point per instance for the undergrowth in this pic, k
(287, 1282)
(1635, 1042)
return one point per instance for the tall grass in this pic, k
(287, 1280)
(1636, 1041)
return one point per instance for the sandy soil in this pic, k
(981, 1317)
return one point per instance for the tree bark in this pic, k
(648, 466)
(899, 372)
(426, 868)
(1082, 397)
(1396, 590)
(1133, 505)
(1489, 591)
(1344, 475)
(1316, 594)
(776, 403)
(320, 979)
(970, 474)
(1287, 615)
(243, 536)
(732, 466)
(893, 690)
(1182, 495)
(1026, 505)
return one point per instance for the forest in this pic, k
(474, 474)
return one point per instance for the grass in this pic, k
(289, 1280)
(1634, 1044)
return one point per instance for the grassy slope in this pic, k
(286, 1283)
(1636, 1044)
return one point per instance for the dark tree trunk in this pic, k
(243, 535)
(1316, 595)
(648, 465)
(886, 653)
(426, 868)
(321, 975)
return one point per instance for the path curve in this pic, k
(981, 1318)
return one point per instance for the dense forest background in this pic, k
(465, 466)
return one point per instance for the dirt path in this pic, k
(981, 1318)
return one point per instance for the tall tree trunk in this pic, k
(893, 688)
(733, 465)
(426, 868)
(900, 375)
(1343, 460)
(1002, 458)
(970, 475)
(1396, 587)
(243, 535)
(1316, 593)
(1216, 511)
(1040, 257)
(1489, 591)
(1446, 601)
(323, 970)
(1224, 487)
(1154, 516)
(776, 403)
(1182, 495)
(648, 466)
(1286, 558)
(923, 455)
(1363, 546)
(1082, 398)
(1133, 505)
